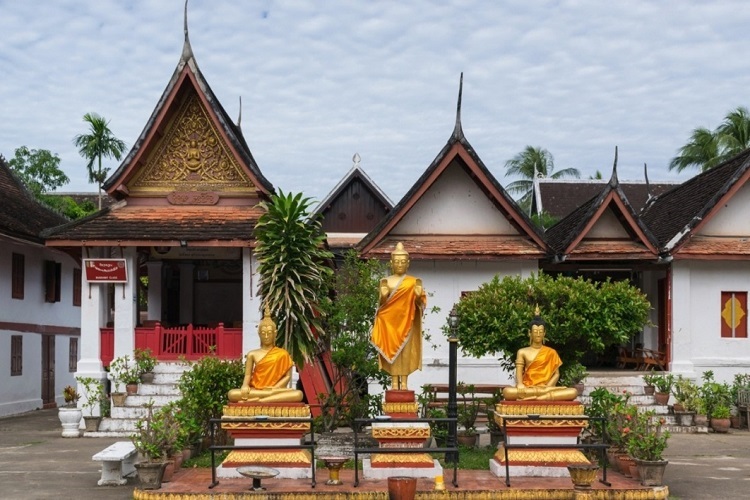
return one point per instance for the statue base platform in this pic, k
(267, 424)
(400, 404)
(369, 471)
(563, 430)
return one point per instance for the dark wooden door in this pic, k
(48, 371)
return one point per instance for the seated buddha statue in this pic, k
(268, 371)
(538, 370)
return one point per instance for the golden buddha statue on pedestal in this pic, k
(538, 369)
(268, 371)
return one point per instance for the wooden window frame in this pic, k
(739, 330)
(18, 278)
(77, 287)
(16, 355)
(73, 354)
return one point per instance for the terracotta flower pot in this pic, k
(118, 398)
(649, 390)
(402, 488)
(720, 425)
(625, 462)
(661, 398)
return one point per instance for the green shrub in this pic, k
(582, 316)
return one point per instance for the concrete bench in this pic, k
(117, 463)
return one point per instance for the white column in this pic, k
(250, 301)
(92, 314)
(125, 306)
(682, 354)
(154, 289)
(186, 292)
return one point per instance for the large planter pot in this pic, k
(625, 462)
(651, 472)
(70, 418)
(402, 488)
(118, 398)
(150, 474)
(685, 418)
(734, 421)
(470, 440)
(168, 472)
(720, 425)
(614, 464)
(583, 475)
(92, 423)
(678, 408)
(700, 419)
(661, 398)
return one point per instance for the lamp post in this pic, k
(452, 375)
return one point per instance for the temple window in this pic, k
(17, 276)
(16, 355)
(77, 287)
(52, 278)
(734, 314)
(73, 355)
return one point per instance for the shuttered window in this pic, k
(734, 314)
(77, 287)
(16, 355)
(52, 278)
(17, 277)
(73, 355)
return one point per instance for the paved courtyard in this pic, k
(36, 463)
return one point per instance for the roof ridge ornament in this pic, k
(187, 50)
(239, 118)
(356, 159)
(648, 186)
(613, 181)
(458, 132)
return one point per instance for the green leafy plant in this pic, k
(572, 374)
(741, 382)
(294, 275)
(582, 316)
(347, 326)
(156, 433)
(93, 393)
(646, 439)
(649, 378)
(70, 395)
(663, 382)
(468, 408)
(603, 404)
(720, 411)
(714, 394)
(123, 370)
(490, 404)
(686, 393)
(204, 389)
(144, 360)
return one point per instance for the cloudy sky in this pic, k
(321, 81)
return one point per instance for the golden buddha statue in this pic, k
(397, 330)
(538, 369)
(268, 370)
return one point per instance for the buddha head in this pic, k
(537, 328)
(399, 259)
(267, 328)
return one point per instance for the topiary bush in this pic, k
(582, 316)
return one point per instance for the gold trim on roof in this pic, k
(191, 156)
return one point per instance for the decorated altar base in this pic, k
(401, 404)
(539, 462)
(256, 425)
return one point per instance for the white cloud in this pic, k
(322, 80)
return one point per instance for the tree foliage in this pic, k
(348, 325)
(531, 162)
(99, 142)
(707, 148)
(38, 169)
(582, 316)
(294, 275)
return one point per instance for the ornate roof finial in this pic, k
(613, 180)
(458, 132)
(239, 118)
(356, 159)
(187, 50)
(648, 186)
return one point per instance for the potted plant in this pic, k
(663, 383)
(741, 383)
(468, 411)
(70, 414)
(93, 394)
(685, 393)
(648, 383)
(646, 443)
(574, 376)
(720, 418)
(496, 432)
(155, 436)
(718, 399)
(120, 373)
(145, 363)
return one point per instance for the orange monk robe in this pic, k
(542, 368)
(395, 321)
(269, 370)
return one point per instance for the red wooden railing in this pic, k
(182, 342)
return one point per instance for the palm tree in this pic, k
(294, 277)
(531, 162)
(98, 143)
(707, 148)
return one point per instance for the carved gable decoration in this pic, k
(191, 156)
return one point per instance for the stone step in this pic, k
(160, 389)
(110, 425)
(159, 400)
